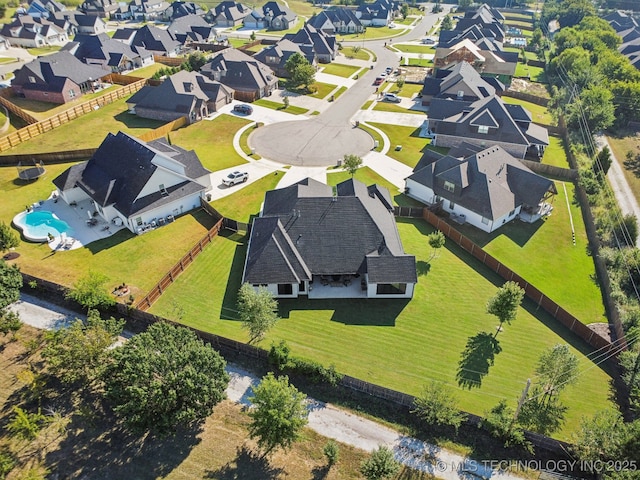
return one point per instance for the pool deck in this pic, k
(77, 218)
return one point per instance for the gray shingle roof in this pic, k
(304, 229)
(240, 71)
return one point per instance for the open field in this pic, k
(93, 447)
(428, 333)
(339, 69)
(412, 145)
(89, 130)
(539, 113)
(555, 153)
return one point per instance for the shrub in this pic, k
(331, 451)
(279, 355)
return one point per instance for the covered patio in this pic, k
(332, 287)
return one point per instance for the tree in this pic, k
(400, 82)
(437, 406)
(79, 352)
(447, 23)
(352, 163)
(26, 425)
(8, 238)
(257, 310)
(3, 10)
(404, 10)
(286, 102)
(600, 437)
(505, 303)
(300, 70)
(89, 291)
(194, 62)
(500, 423)
(10, 284)
(464, 4)
(436, 241)
(163, 378)
(331, 452)
(380, 465)
(557, 368)
(537, 39)
(603, 160)
(279, 413)
(253, 36)
(594, 106)
(542, 414)
(9, 322)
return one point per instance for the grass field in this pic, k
(366, 105)
(147, 72)
(419, 62)
(412, 145)
(89, 130)
(245, 203)
(414, 48)
(372, 33)
(555, 153)
(339, 92)
(537, 74)
(408, 90)
(212, 141)
(324, 89)
(375, 135)
(7, 60)
(280, 106)
(539, 113)
(36, 52)
(525, 22)
(528, 55)
(357, 53)
(428, 333)
(394, 107)
(339, 69)
(627, 141)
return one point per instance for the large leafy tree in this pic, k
(8, 238)
(594, 106)
(300, 70)
(90, 292)
(257, 310)
(78, 353)
(437, 406)
(380, 465)
(447, 23)
(10, 284)
(163, 378)
(279, 413)
(504, 304)
(352, 163)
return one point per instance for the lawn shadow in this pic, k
(133, 121)
(422, 267)
(403, 200)
(99, 245)
(247, 464)
(105, 450)
(518, 232)
(228, 310)
(320, 472)
(350, 311)
(476, 359)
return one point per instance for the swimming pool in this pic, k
(37, 224)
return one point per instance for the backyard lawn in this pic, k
(339, 69)
(212, 141)
(245, 203)
(413, 146)
(539, 113)
(89, 130)
(536, 74)
(147, 72)
(396, 343)
(555, 153)
(419, 62)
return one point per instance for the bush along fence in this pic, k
(39, 127)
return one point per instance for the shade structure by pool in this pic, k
(36, 225)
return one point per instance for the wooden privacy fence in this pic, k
(551, 170)
(169, 61)
(164, 129)
(539, 298)
(527, 97)
(48, 157)
(30, 131)
(17, 111)
(178, 268)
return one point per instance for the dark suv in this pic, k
(243, 108)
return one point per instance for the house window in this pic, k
(32, 79)
(72, 93)
(483, 129)
(512, 212)
(139, 221)
(391, 288)
(285, 289)
(460, 93)
(449, 187)
(451, 205)
(485, 220)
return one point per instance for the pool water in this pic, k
(39, 223)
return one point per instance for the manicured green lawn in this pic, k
(555, 153)
(412, 145)
(36, 52)
(539, 113)
(420, 62)
(147, 72)
(394, 107)
(212, 141)
(7, 60)
(519, 23)
(245, 203)
(519, 16)
(238, 42)
(369, 177)
(372, 33)
(528, 55)
(244, 144)
(324, 89)
(405, 48)
(537, 74)
(339, 69)
(375, 135)
(280, 106)
(395, 343)
(340, 91)
(408, 90)
(622, 142)
(366, 105)
(358, 53)
(89, 130)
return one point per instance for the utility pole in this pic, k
(522, 399)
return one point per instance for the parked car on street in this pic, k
(391, 97)
(389, 70)
(378, 81)
(235, 177)
(243, 108)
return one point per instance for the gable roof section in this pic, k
(241, 70)
(326, 234)
(99, 46)
(155, 39)
(53, 69)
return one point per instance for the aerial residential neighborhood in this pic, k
(345, 240)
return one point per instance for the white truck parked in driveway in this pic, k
(235, 177)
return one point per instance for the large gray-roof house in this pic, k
(485, 122)
(487, 18)
(183, 94)
(100, 8)
(56, 78)
(336, 20)
(248, 77)
(110, 54)
(628, 30)
(483, 187)
(26, 31)
(228, 14)
(377, 14)
(462, 82)
(272, 16)
(180, 9)
(276, 56)
(135, 183)
(152, 39)
(324, 45)
(310, 240)
(191, 28)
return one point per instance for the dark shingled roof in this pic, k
(304, 229)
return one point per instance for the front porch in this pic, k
(336, 286)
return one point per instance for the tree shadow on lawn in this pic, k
(247, 464)
(349, 311)
(476, 359)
